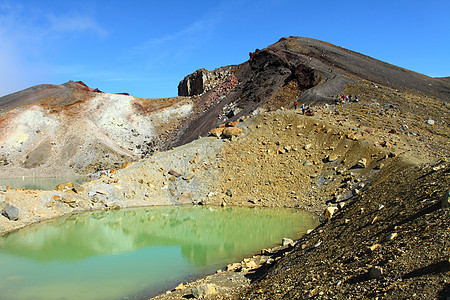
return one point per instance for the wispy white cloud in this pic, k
(74, 22)
(193, 29)
(186, 39)
(27, 34)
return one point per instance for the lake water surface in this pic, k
(129, 253)
(40, 183)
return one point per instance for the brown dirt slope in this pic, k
(51, 96)
(397, 226)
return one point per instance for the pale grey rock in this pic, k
(362, 163)
(205, 290)
(11, 212)
(287, 242)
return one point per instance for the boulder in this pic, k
(376, 272)
(362, 163)
(330, 211)
(287, 242)
(217, 132)
(79, 189)
(113, 206)
(174, 173)
(332, 157)
(229, 132)
(393, 235)
(11, 212)
(251, 264)
(64, 186)
(186, 198)
(204, 290)
(236, 267)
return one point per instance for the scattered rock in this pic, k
(362, 163)
(330, 211)
(287, 242)
(393, 235)
(229, 132)
(386, 144)
(251, 264)
(101, 192)
(174, 173)
(392, 131)
(67, 186)
(79, 189)
(392, 154)
(188, 177)
(186, 198)
(217, 132)
(332, 157)
(205, 290)
(445, 202)
(379, 167)
(236, 267)
(374, 247)
(113, 206)
(11, 212)
(376, 272)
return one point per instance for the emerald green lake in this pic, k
(40, 183)
(132, 253)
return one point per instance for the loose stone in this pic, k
(376, 272)
(287, 242)
(11, 212)
(361, 163)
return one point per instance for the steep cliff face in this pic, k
(203, 80)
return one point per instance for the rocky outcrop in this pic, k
(203, 80)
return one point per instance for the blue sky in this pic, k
(146, 47)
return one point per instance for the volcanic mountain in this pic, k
(71, 128)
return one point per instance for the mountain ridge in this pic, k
(298, 69)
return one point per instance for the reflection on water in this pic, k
(40, 183)
(110, 255)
